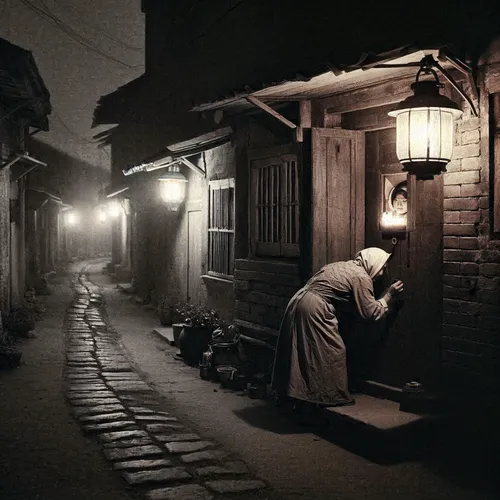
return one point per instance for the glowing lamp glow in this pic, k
(392, 220)
(114, 209)
(425, 128)
(72, 219)
(173, 187)
(101, 216)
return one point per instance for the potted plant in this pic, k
(199, 322)
(20, 322)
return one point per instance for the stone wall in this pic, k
(471, 319)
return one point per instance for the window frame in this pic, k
(221, 184)
(281, 249)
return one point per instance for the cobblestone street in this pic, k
(146, 445)
(102, 409)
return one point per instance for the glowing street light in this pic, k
(173, 187)
(425, 127)
(72, 219)
(114, 209)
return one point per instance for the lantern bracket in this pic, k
(427, 65)
(192, 166)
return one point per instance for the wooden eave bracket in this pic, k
(192, 166)
(264, 107)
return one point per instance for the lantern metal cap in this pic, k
(173, 173)
(426, 95)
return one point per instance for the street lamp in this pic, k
(101, 216)
(173, 187)
(72, 218)
(114, 209)
(425, 127)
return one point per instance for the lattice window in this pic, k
(221, 228)
(275, 210)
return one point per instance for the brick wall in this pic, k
(471, 294)
(262, 290)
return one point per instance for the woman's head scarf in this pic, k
(372, 260)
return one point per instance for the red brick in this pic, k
(451, 191)
(451, 217)
(489, 296)
(468, 124)
(460, 306)
(451, 242)
(461, 204)
(468, 243)
(451, 267)
(492, 269)
(463, 332)
(461, 255)
(460, 319)
(490, 323)
(468, 164)
(452, 280)
(484, 202)
(450, 292)
(469, 269)
(470, 137)
(453, 166)
(459, 230)
(466, 151)
(486, 283)
(468, 177)
(469, 216)
(473, 190)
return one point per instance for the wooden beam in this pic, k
(192, 166)
(264, 107)
(368, 97)
(305, 113)
(496, 163)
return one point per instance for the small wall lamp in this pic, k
(173, 187)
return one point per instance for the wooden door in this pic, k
(338, 195)
(406, 345)
(194, 268)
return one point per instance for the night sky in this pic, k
(77, 76)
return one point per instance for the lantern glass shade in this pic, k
(173, 188)
(114, 209)
(425, 134)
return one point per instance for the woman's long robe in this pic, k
(310, 361)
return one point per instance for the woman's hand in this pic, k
(396, 288)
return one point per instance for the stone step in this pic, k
(166, 333)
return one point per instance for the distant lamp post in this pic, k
(425, 127)
(173, 187)
(114, 209)
(72, 219)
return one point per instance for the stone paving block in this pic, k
(94, 401)
(142, 464)
(82, 376)
(156, 418)
(157, 476)
(140, 409)
(118, 368)
(104, 417)
(221, 470)
(234, 485)
(87, 387)
(85, 410)
(134, 452)
(115, 436)
(187, 446)
(109, 426)
(90, 394)
(129, 386)
(128, 443)
(173, 438)
(201, 456)
(185, 492)
(163, 427)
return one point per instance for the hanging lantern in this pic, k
(114, 209)
(173, 187)
(425, 128)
